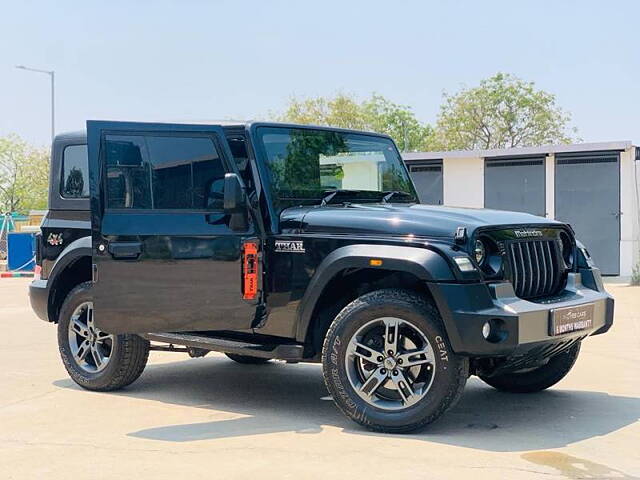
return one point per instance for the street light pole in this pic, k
(52, 75)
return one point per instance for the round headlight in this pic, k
(479, 252)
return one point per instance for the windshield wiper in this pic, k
(330, 194)
(389, 195)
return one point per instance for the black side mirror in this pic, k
(234, 196)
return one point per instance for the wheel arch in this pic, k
(346, 273)
(72, 267)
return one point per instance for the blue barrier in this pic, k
(21, 251)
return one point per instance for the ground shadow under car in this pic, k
(278, 397)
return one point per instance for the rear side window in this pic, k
(75, 172)
(163, 173)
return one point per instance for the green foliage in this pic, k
(635, 274)
(302, 168)
(502, 112)
(24, 176)
(376, 114)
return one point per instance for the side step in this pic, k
(291, 352)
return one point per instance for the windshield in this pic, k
(305, 164)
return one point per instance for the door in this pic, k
(427, 178)
(165, 258)
(515, 184)
(588, 198)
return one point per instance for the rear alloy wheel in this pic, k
(94, 359)
(91, 348)
(388, 364)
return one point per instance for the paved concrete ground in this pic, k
(212, 418)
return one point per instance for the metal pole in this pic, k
(51, 74)
(53, 106)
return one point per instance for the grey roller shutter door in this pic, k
(427, 178)
(588, 198)
(516, 184)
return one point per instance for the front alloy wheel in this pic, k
(390, 363)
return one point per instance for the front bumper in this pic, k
(524, 324)
(39, 298)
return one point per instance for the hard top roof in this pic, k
(81, 135)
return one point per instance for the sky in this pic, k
(204, 60)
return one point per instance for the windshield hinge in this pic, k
(461, 235)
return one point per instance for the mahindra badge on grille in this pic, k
(528, 233)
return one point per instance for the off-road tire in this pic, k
(247, 360)
(451, 370)
(539, 379)
(128, 356)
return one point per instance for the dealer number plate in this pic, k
(571, 319)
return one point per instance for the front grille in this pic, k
(535, 268)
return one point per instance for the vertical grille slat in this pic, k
(521, 272)
(549, 259)
(536, 261)
(534, 268)
(529, 269)
(543, 266)
(513, 263)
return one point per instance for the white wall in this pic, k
(629, 230)
(360, 176)
(550, 186)
(463, 182)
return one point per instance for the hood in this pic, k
(400, 219)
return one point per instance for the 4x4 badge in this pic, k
(291, 246)
(54, 239)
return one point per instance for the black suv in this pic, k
(304, 244)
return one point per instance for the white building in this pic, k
(592, 186)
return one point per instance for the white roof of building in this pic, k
(509, 152)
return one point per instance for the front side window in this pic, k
(163, 172)
(306, 164)
(75, 172)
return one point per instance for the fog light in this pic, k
(486, 330)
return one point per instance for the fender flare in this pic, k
(426, 264)
(77, 249)
(80, 247)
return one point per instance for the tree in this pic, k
(502, 112)
(377, 114)
(24, 176)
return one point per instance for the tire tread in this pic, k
(131, 362)
(430, 312)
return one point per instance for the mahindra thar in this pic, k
(303, 244)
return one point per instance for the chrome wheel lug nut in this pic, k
(383, 371)
(380, 359)
(395, 372)
(399, 361)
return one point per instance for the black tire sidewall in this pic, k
(539, 379)
(448, 367)
(77, 296)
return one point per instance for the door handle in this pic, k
(125, 250)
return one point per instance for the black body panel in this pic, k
(159, 271)
(182, 266)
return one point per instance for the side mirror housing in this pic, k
(234, 197)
